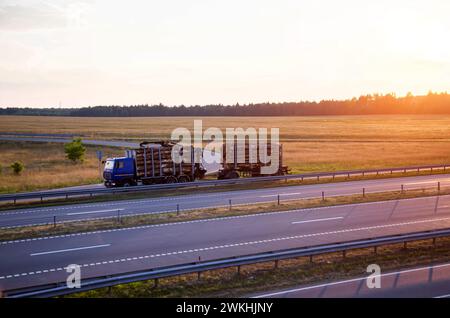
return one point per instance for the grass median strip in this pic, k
(122, 222)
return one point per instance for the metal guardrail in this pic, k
(225, 201)
(90, 192)
(59, 289)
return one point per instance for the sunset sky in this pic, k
(81, 52)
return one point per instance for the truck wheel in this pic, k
(233, 175)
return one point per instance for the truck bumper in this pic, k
(109, 184)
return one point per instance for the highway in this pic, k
(108, 209)
(431, 281)
(31, 262)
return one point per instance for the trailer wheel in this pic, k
(171, 179)
(183, 179)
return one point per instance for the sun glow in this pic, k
(199, 52)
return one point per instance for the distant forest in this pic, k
(433, 103)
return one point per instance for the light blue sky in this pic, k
(100, 52)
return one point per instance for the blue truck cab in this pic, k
(119, 172)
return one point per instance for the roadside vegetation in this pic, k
(38, 166)
(75, 151)
(17, 167)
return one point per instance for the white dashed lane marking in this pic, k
(92, 212)
(225, 218)
(197, 221)
(231, 245)
(125, 214)
(281, 195)
(70, 250)
(318, 220)
(248, 194)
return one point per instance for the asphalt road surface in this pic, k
(32, 262)
(421, 282)
(109, 209)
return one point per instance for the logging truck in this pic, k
(152, 163)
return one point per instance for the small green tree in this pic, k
(75, 150)
(17, 167)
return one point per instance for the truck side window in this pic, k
(119, 164)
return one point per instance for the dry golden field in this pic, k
(300, 129)
(310, 143)
(46, 166)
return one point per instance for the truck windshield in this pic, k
(109, 164)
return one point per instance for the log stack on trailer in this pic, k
(245, 160)
(154, 164)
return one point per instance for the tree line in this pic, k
(376, 104)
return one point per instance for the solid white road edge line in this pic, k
(352, 280)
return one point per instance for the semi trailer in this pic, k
(152, 163)
(244, 160)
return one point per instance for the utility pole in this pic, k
(99, 157)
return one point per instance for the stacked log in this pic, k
(156, 161)
(246, 154)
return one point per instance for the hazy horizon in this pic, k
(80, 53)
